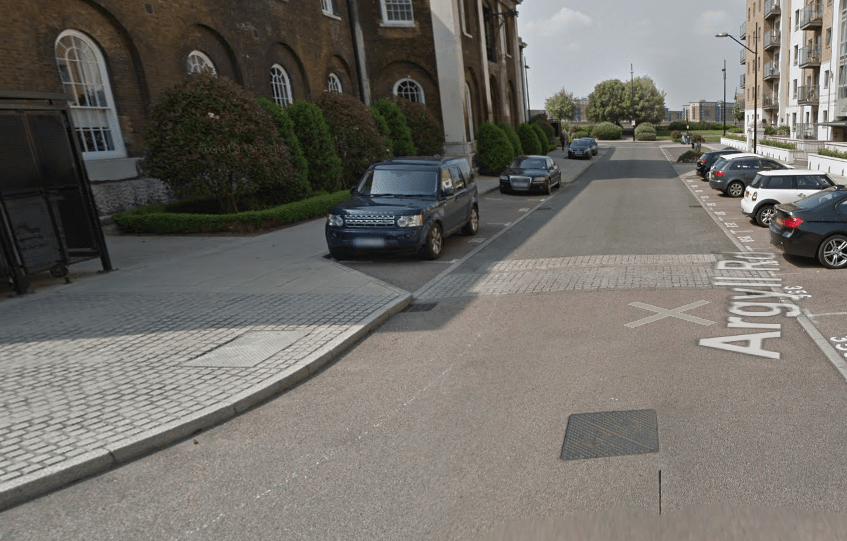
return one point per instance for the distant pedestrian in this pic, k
(563, 140)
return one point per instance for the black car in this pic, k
(580, 148)
(707, 160)
(530, 173)
(405, 205)
(815, 226)
(592, 142)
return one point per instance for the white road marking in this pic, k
(662, 313)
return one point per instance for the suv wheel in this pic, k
(735, 189)
(764, 215)
(434, 243)
(472, 227)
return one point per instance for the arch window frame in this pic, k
(198, 61)
(283, 94)
(404, 84)
(333, 83)
(85, 77)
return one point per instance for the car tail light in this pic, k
(719, 173)
(791, 222)
(702, 162)
(755, 196)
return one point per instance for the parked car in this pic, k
(531, 173)
(592, 142)
(815, 226)
(708, 159)
(405, 204)
(580, 148)
(733, 172)
(771, 188)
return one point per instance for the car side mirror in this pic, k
(448, 190)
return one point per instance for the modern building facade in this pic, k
(462, 58)
(801, 68)
(708, 111)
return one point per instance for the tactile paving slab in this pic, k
(611, 433)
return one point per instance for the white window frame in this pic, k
(401, 82)
(330, 9)
(198, 60)
(333, 84)
(403, 22)
(281, 90)
(95, 84)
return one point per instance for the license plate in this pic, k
(369, 242)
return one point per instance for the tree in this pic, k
(529, 140)
(427, 133)
(561, 105)
(399, 133)
(286, 130)
(207, 136)
(649, 101)
(738, 110)
(612, 101)
(608, 102)
(325, 171)
(494, 151)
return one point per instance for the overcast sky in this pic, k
(576, 45)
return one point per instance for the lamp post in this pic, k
(755, 77)
(723, 105)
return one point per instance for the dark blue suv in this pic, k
(407, 205)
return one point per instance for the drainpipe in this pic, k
(359, 51)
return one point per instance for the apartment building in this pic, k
(800, 79)
(708, 111)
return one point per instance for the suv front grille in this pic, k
(365, 220)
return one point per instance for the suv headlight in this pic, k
(335, 220)
(410, 221)
(504, 177)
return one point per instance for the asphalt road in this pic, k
(449, 423)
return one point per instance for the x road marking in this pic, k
(662, 313)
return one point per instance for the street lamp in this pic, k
(723, 105)
(755, 78)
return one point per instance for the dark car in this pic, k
(580, 148)
(530, 173)
(405, 205)
(592, 142)
(708, 159)
(731, 174)
(815, 226)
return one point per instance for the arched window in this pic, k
(83, 73)
(281, 86)
(397, 11)
(333, 83)
(409, 89)
(469, 127)
(198, 62)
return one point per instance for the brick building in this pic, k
(462, 58)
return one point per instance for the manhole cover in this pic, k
(423, 307)
(611, 433)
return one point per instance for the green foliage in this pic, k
(544, 143)
(399, 133)
(676, 134)
(207, 136)
(325, 171)
(683, 125)
(382, 127)
(606, 131)
(690, 156)
(738, 110)
(494, 151)
(156, 219)
(645, 132)
(770, 130)
(357, 139)
(736, 137)
(583, 131)
(561, 105)
(285, 127)
(778, 144)
(614, 100)
(736, 129)
(548, 130)
(427, 134)
(529, 140)
(832, 153)
(782, 130)
(512, 137)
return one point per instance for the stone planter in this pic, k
(734, 143)
(782, 154)
(836, 166)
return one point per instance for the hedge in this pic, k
(606, 131)
(778, 144)
(690, 156)
(736, 137)
(529, 139)
(832, 153)
(156, 219)
(512, 136)
(494, 151)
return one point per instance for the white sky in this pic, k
(576, 45)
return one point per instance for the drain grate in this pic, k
(611, 433)
(423, 307)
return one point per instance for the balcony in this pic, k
(772, 39)
(808, 94)
(810, 57)
(742, 32)
(770, 101)
(771, 9)
(743, 56)
(743, 80)
(771, 71)
(811, 16)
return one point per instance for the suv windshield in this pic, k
(398, 182)
(529, 163)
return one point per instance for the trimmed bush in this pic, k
(606, 131)
(494, 151)
(676, 134)
(512, 137)
(398, 129)
(325, 171)
(736, 137)
(382, 127)
(357, 139)
(645, 132)
(427, 133)
(736, 129)
(783, 130)
(546, 145)
(584, 131)
(529, 139)
(156, 219)
(207, 136)
(285, 127)
(770, 130)
(778, 144)
(690, 156)
(546, 127)
(832, 153)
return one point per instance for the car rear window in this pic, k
(818, 199)
(399, 182)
